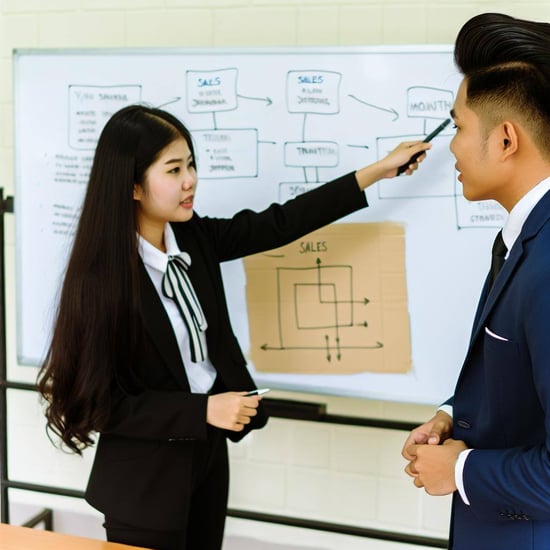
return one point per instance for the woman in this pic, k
(162, 381)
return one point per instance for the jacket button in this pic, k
(464, 424)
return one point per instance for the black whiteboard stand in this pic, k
(45, 516)
(6, 205)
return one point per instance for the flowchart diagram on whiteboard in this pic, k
(378, 305)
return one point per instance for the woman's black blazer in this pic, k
(142, 467)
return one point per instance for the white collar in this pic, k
(157, 259)
(514, 224)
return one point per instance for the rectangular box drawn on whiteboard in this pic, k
(333, 302)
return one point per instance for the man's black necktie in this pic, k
(499, 253)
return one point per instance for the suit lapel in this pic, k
(500, 283)
(158, 326)
(535, 221)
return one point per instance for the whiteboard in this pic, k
(343, 107)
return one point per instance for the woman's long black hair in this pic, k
(98, 323)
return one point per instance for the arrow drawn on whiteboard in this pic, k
(267, 347)
(266, 99)
(393, 111)
(175, 100)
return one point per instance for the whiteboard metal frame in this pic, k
(284, 384)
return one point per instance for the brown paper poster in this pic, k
(333, 302)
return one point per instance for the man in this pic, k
(489, 444)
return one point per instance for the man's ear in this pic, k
(509, 138)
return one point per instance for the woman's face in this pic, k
(169, 188)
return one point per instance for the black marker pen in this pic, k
(428, 138)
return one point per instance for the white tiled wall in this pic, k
(332, 473)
